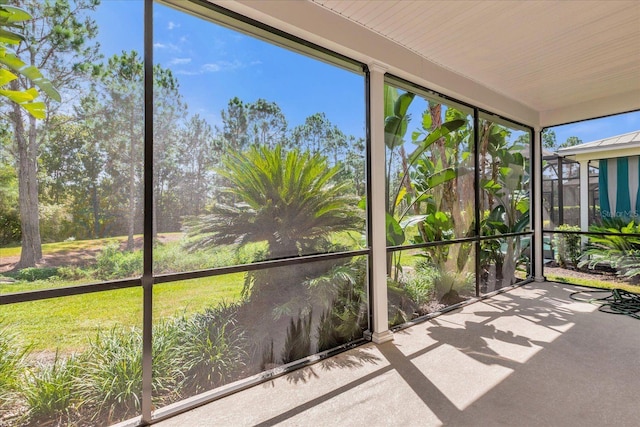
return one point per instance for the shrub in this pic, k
(56, 222)
(420, 286)
(450, 284)
(112, 263)
(168, 378)
(73, 273)
(212, 347)
(172, 257)
(401, 307)
(298, 341)
(112, 375)
(12, 365)
(340, 292)
(621, 252)
(567, 246)
(31, 274)
(49, 388)
(10, 228)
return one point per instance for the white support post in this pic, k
(584, 195)
(380, 326)
(538, 236)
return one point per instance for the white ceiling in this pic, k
(547, 55)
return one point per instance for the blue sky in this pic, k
(214, 64)
(592, 130)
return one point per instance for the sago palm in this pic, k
(291, 201)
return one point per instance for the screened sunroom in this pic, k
(313, 212)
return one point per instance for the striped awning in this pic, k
(619, 183)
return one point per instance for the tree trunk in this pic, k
(27, 189)
(131, 215)
(96, 211)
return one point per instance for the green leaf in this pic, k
(443, 130)
(523, 205)
(412, 220)
(394, 130)
(36, 109)
(30, 72)
(522, 224)
(13, 14)
(362, 204)
(504, 170)
(395, 123)
(441, 177)
(427, 121)
(12, 61)
(10, 37)
(390, 97)
(490, 185)
(20, 96)
(402, 104)
(6, 76)
(395, 233)
(33, 74)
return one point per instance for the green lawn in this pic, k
(67, 323)
(64, 247)
(76, 245)
(593, 283)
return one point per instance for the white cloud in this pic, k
(210, 68)
(215, 67)
(172, 25)
(177, 61)
(187, 72)
(168, 46)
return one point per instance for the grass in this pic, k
(75, 245)
(67, 323)
(594, 283)
(65, 247)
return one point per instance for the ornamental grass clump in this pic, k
(12, 365)
(49, 388)
(212, 348)
(112, 375)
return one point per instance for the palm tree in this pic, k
(291, 201)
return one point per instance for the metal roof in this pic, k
(618, 142)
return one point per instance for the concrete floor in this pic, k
(529, 357)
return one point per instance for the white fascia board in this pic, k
(614, 104)
(607, 154)
(318, 25)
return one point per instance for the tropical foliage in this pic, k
(619, 251)
(290, 200)
(431, 200)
